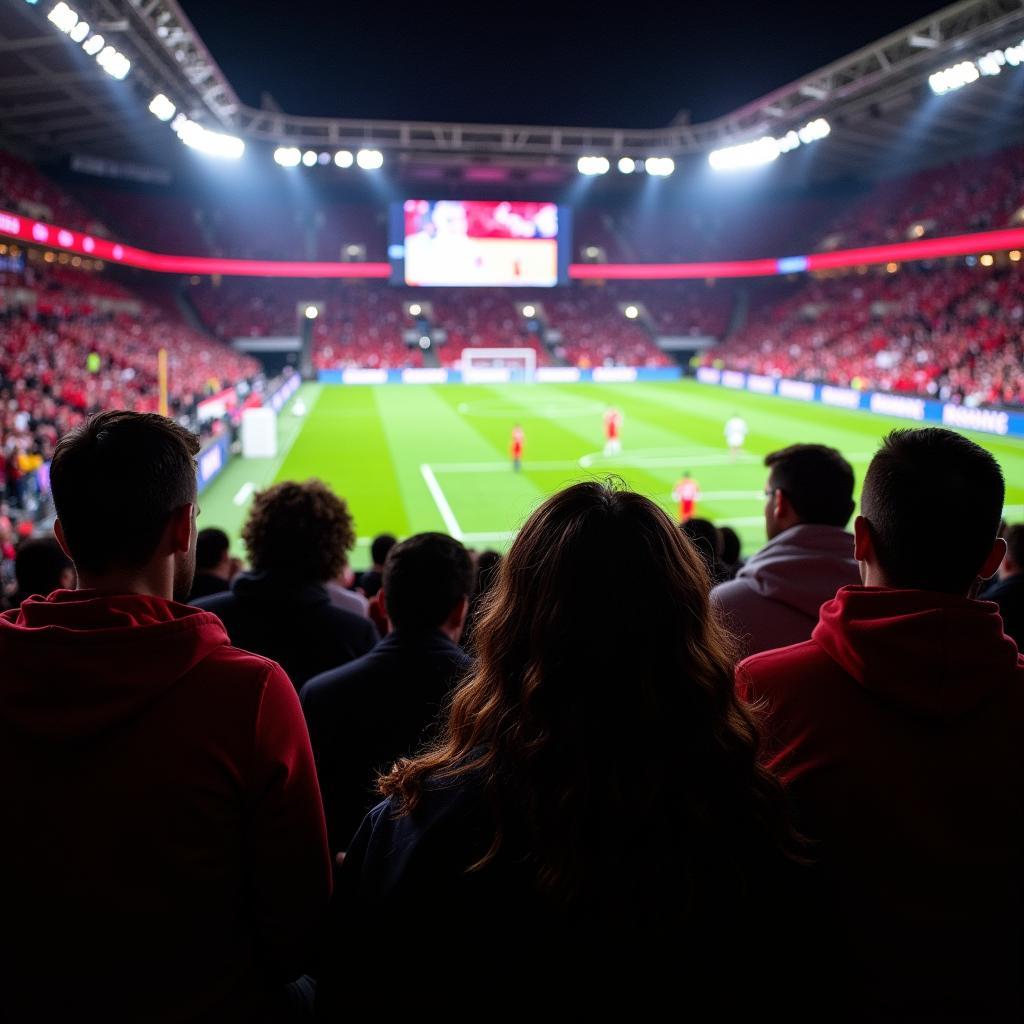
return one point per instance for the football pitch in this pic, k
(420, 457)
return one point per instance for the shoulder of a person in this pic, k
(782, 666)
(229, 667)
(337, 681)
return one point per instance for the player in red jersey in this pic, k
(612, 430)
(516, 447)
(686, 492)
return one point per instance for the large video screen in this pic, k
(438, 242)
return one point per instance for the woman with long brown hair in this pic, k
(596, 778)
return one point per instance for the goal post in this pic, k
(498, 365)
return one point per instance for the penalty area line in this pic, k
(450, 522)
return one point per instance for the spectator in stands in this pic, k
(775, 597)
(343, 596)
(40, 567)
(705, 537)
(1008, 590)
(897, 729)
(213, 563)
(369, 582)
(365, 715)
(487, 565)
(732, 552)
(297, 537)
(596, 778)
(164, 854)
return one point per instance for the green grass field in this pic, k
(421, 457)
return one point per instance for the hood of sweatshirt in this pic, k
(802, 565)
(934, 653)
(78, 663)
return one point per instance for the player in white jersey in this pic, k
(736, 431)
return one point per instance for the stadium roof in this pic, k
(56, 100)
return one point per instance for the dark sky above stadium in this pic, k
(633, 64)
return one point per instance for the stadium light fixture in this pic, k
(195, 136)
(309, 158)
(1014, 255)
(631, 312)
(966, 72)
(323, 159)
(287, 156)
(593, 165)
(115, 63)
(529, 311)
(94, 44)
(343, 158)
(627, 165)
(767, 149)
(891, 268)
(425, 342)
(659, 166)
(311, 312)
(987, 259)
(370, 159)
(63, 17)
(79, 33)
(161, 107)
(415, 309)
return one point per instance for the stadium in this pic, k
(450, 323)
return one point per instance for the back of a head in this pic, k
(115, 482)
(40, 565)
(212, 545)
(425, 577)
(705, 537)
(487, 565)
(602, 696)
(816, 480)
(731, 546)
(380, 547)
(933, 501)
(299, 531)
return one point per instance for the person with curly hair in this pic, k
(593, 813)
(297, 537)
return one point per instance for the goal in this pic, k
(498, 365)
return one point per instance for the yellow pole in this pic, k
(161, 363)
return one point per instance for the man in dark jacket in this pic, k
(1008, 590)
(213, 563)
(366, 715)
(164, 852)
(898, 730)
(298, 537)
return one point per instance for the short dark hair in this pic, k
(1014, 537)
(704, 536)
(115, 482)
(380, 547)
(731, 546)
(817, 480)
(302, 531)
(425, 577)
(932, 500)
(212, 545)
(39, 564)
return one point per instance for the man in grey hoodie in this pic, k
(775, 597)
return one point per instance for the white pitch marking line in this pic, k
(441, 501)
(243, 493)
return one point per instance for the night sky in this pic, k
(531, 63)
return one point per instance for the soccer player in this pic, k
(686, 492)
(736, 431)
(612, 429)
(516, 447)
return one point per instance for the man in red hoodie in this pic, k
(164, 852)
(899, 731)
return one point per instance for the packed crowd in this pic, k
(955, 333)
(74, 343)
(504, 756)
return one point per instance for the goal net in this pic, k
(498, 365)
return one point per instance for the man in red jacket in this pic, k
(164, 852)
(899, 731)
